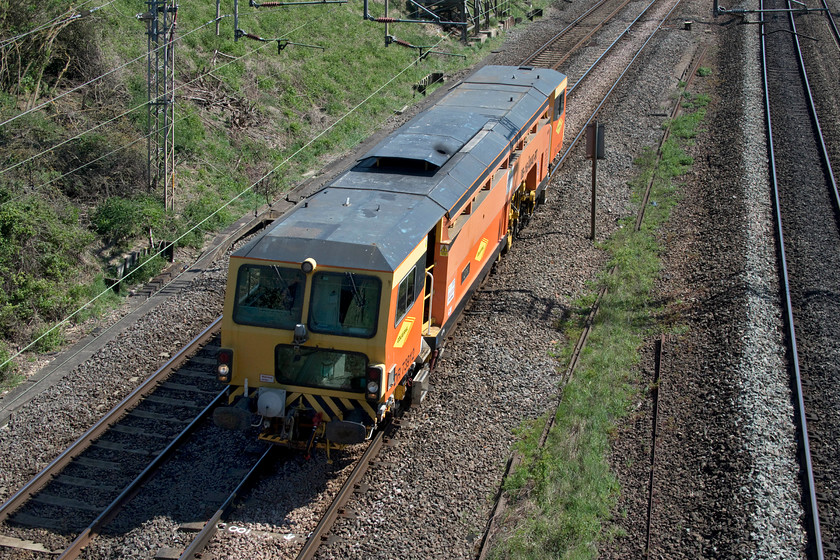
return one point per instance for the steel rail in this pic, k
(204, 536)
(577, 24)
(88, 534)
(831, 23)
(813, 513)
(84, 441)
(314, 541)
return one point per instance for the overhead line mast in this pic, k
(160, 21)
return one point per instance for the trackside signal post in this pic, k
(594, 151)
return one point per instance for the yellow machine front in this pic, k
(317, 353)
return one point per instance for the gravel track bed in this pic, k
(38, 432)
(285, 508)
(725, 486)
(188, 489)
(725, 418)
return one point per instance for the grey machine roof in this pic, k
(376, 213)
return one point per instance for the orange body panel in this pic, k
(486, 225)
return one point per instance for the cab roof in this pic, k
(376, 213)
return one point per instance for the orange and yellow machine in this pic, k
(333, 316)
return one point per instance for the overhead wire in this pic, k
(227, 203)
(263, 12)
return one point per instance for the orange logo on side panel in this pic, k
(404, 330)
(481, 248)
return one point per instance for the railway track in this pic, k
(591, 83)
(573, 37)
(83, 488)
(807, 210)
(321, 532)
(222, 523)
(579, 59)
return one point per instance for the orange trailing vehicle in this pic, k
(333, 317)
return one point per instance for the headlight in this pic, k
(308, 265)
(224, 363)
(374, 380)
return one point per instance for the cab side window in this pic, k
(559, 104)
(269, 296)
(406, 294)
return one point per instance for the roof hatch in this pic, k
(431, 140)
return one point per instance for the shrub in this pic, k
(121, 219)
(41, 248)
(7, 367)
(197, 211)
(48, 339)
(92, 172)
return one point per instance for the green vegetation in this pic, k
(563, 493)
(41, 249)
(249, 122)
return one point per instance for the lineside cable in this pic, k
(121, 115)
(91, 162)
(129, 111)
(124, 113)
(196, 226)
